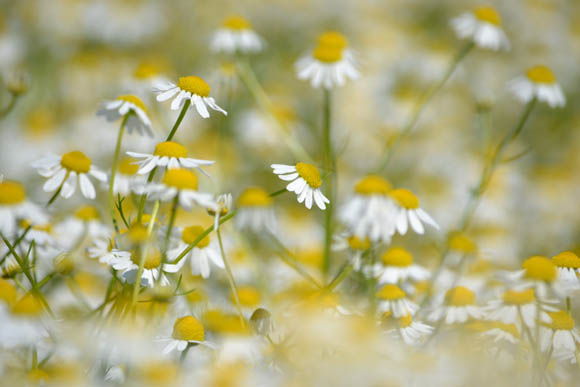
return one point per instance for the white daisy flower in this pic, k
(398, 266)
(483, 27)
(410, 212)
(205, 251)
(459, 306)
(134, 107)
(22, 322)
(85, 222)
(127, 179)
(515, 303)
(305, 182)
(330, 63)
(356, 246)
(102, 249)
(503, 332)
(14, 207)
(191, 88)
(168, 154)
(187, 331)
(371, 213)
(255, 211)
(412, 332)
(224, 205)
(558, 332)
(539, 83)
(65, 171)
(129, 267)
(394, 300)
(537, 272)
(236, 35)
(568, 267)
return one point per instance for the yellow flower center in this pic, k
(87, 213)
(373, 185)
(127, 166)
(170, 149)
(356, 243)
(147, 70)
(488, 15)
(327, 54)
(397, 256)
(567, 259)
(509, 328)
(540, 269)
(152, 260)
(134, 100)
(191, 233)
(138, 233)
(309, 173)
(11, 192)
(405, 321)
(8, 292)
(541, 74)
(332, 39)
(237, 23)
(188, 328)
(405, 198)
(27, 306)
(254, 197)
(194, 85)
(180, 179)
(561, 320)
(76, 161)
(390, 292)
(460, 296)
(248, 296)
(514, 297)
(459, 242)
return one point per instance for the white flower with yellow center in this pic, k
(224, 205)
(483, 27)
(190, 88)
(557, 331)
(127, 178)
(371, 213)
(398, 266)
(85, 222)
(187, 331)
(568, 267)
(517, 306)
(537, 272)
(102, 249)
(168, 154)
(330, 64)
(412, 332)
(459, 306)
(14, 207)
(21, 318)
(305, 182)
(410, 212)
(128, 105)
(539, 83)
(129, 267)
(181, 183)
(394, 300)
(356, 246)
(255, 211)
(65, 171)
(500, 331)
(205, 250)
(236, 35)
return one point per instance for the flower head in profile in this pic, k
(538, 272)
(236, 35)
(127, 178)
(394, 300)
(206, 250)
(568, 267)
(15, 206)
(356, 246)
(305, 182)
(483, 27)
(128, 266)
(517, 306)
(558, 331)
(458, 307)
(191, 88)
(224, 206)
(410, 212)
(411, 331)
(66, 171)
(255, 211)
(398, 266)
(187, 331)
(167, 154)
(539, 83)
(132, 107)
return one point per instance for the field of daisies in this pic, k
(289, 193)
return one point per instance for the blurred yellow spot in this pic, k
(488, 14)
(134, 100)
(147, 70)
(170, 149)
(397, 256)
(180, 179)
(27, 306)
(87, 213)
(541, 74)
(11, 192)
(248, 296)
(332, 39)
(194, 85)
(459, 242)
(127, 166)
(159, 373)
(40, 122)
(327, 54)
(567, 259)
(373, 185)
(509, 328)
(539, 268)
(405, 321)
(254, 197)
(36, 375)
(405, 198)
(138, 233)
(460, 296)
(152, 260)
(561, 320)
(514, 297)
(220, 322)
(191, 233)
(76, 161)
(309, 173)
(356, 243)
(188, 328)
(237, 23)
(8, 292)
(390, 292)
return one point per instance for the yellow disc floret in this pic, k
(248, 296)
(356, 243)
(405, 321)
(152, 260)
(254, 197)
(327, 54)
(541, 74)
(460, 242)
(190, 235)
(515, 297)
(170, 149)
(373, 185)
(237, 23)
(332, 39)
(194, 85)
(390, 292)
(76, 161)
(8, 292)
(87, 213)
(28, 305)
(405, 198)
(180, 179)
(127, 166)
(397, 256)
(188, 328)
(460, 296)
(309, 173)
(488, 15)
(561, 320)
(138, 233)
(539, 269)
(567, 259)
(134, 100)
(11, 192)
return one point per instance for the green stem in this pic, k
(179, 119)
(288, 258)
(344, 272)
(330, 166)
(172, 216)
(231, 279)
(114, 169)
(55, 195)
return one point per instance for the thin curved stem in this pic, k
(231, 279)
(114, 169)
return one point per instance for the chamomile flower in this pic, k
(205, 250)
(102, 249)
(224, 206)
(305, 182)
(168, 154)
(85, 221)
(483, 27)
(182, 183)
(558, 332)
(190, 88)
(187, 331)
(63, 172)
(537, 272)
(330, 64)
(132, 106)
(127, 178)
(568, 267)
(255, 211)
(412, 332)
(371, 213)
(500, 331)
(516, 307)
(539, 83)
(15, 206)
(236, 35)
(356, 246)
(394, 300)
(410, 212)
(459, 306)
(398, 266)
(129, 266)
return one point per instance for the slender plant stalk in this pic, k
(179, 119)
(114, 169)
(55, 195)
(330, 166)
(231, 279)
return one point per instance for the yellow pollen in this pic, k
(541, 74)
(27, 306)
(540, 269)
(191, 233)
(390, 292)
(152, 260)
(127, 166)
(373, 185)
(11, 192)
(561, 320)
(76, 161)
(254, 197)
(405, 198)
(248, 296)
(87, 213)
(397, 256)
(459, 242)
(332, 39)
(309, 173)
(488, 14)
(327, 54)
(356, 243)
(405, 321)
(180, 179)
(170, 149)
(567, 259)
(8, 292)
(237, 23)
(188, 328)
(138, 233)
(194, 85)
(134, 100)
(514, 297)
(460, 296)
